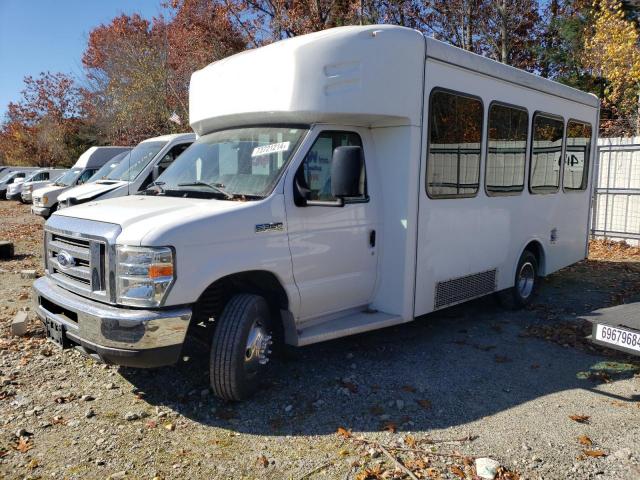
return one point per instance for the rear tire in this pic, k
(241, 347)
(525, 283)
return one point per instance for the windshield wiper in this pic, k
(158, 191)
(216, 187)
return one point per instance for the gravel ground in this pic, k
(470, 381)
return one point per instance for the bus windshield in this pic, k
(242, 163)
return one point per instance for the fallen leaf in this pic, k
(23, 445)
(408, 388)
(170, 426)
(457, 471)
(410, 441)
(353, 388)
(584, 440)
(58, 420)
(343, 452)
(580, 418)
(390, 427)
(433, 473)
(501, 359)
(262, 461)
(418, 463)
(424, 403)
(594, 453)
(152, 424)
(343, 432)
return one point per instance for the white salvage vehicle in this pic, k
(375, 175)
(45, 199)
(136, 171)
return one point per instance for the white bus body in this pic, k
(427, 226)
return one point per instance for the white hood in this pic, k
(51, 191)
(89, 191)
(153, 220)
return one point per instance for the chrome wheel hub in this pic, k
(258, 346)
(526, 279)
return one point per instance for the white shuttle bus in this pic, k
(373, 176)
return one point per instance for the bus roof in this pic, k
(362, 75)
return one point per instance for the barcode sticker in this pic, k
(269, 149)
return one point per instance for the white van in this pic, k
(375, 175)
(137, 170)
(45, 199)
(12, 177)
(34, 179)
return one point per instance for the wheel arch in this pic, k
(535, 247)
(214, 297)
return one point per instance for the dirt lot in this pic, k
(471, 381)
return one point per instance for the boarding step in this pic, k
(349, 324)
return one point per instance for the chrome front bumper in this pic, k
(139, 338)
(42, 211)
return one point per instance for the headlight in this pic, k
(143, 275)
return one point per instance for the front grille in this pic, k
(76, 262)
(464, 288)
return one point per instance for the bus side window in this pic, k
(506, 149)
(576, 162)
(546, 150)
(455, 137)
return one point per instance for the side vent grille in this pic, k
(460, 289)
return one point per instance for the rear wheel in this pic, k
(525, 283)
(241, 347)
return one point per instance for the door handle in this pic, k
(372, 238)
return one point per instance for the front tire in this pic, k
(51, 211)
(240, 347)
(525, 283)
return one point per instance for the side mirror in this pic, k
(346, 168)
(156, 172)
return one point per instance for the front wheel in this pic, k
(51, 211)
(241, 347)
(525, 283)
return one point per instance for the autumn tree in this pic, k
(199, 32)
(612, 52)
(138, 70)
(42, 127)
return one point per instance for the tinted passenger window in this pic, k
(455, 132)
(546, 150)
(86, 175)
(506, 149)
(315, 170)
(576, 163)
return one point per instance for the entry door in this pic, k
(334, 249)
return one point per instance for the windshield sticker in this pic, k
(269, 149)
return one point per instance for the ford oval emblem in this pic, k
(65, 260)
